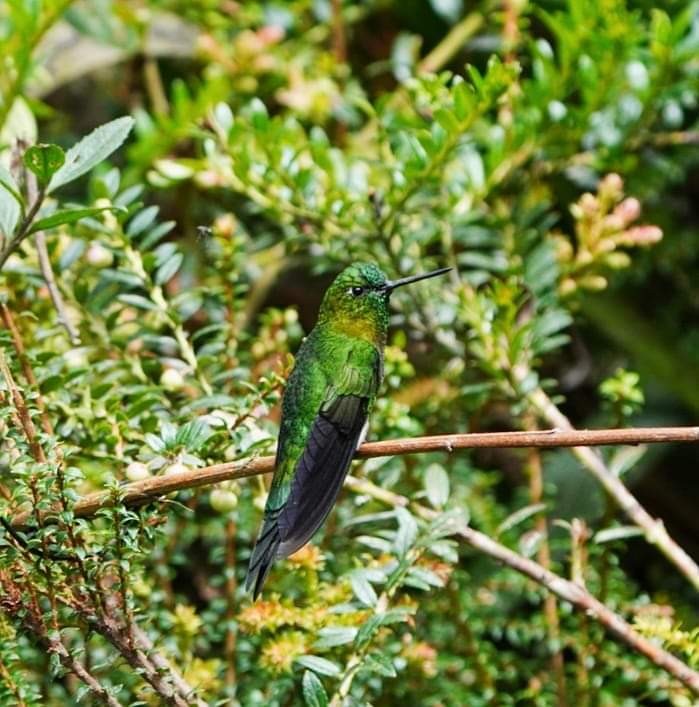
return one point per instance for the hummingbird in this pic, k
(325, 408)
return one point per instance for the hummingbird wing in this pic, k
(296, 508)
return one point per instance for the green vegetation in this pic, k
(179, 183)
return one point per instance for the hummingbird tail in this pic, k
(263, 556)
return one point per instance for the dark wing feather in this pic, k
(297, 508)
(321, 470)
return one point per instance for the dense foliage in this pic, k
(178, 184)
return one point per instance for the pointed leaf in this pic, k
(519, 516)
(319, 665)
(10, 203)
(437, 485)
(362, 589)
(407, 531)
(68, 216)
(91, 150)
(378, 663)
(168, 269)
(138, 301)
(313, 691)
(332, 636)
(620, 532)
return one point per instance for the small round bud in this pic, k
(172, 380)
(137, 471)
(224, 500)
(99, 256)
(291, 316)
(175, 468)
(75, 358)
(595, 283)
(629, 210)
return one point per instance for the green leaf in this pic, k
(68, 216)
(142, 220)
(437, 485)
(11, 203)
(620, 532)
(313, 691)
(519, 516)
(380, 664)
(362, 588)
(332, 636)
(323, 666)
(44, 161)
(137, 301)
(168, 269)
(91, 150)
(407, 531)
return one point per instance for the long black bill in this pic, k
(392, 284)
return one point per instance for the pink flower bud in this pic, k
(629, 210)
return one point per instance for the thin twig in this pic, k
(23, 413)
(453, 42)
(55, 294)
(653, 529)
(140, 492)
(46, 269)
(78, 669)
(9, 322)
(339, 41)
(185, 690)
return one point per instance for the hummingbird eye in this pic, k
(356, 291)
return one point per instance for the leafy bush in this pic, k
(159, 270)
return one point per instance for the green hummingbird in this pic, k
(328, 397)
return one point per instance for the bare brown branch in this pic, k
(141, 492)
(584, 601)
(653, 529)
(565, 589)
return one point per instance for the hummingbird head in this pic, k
(357, 301)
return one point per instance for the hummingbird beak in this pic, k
(392, 284)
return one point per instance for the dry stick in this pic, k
(653, 530)
(140, 492)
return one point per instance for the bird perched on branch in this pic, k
(327, 401)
